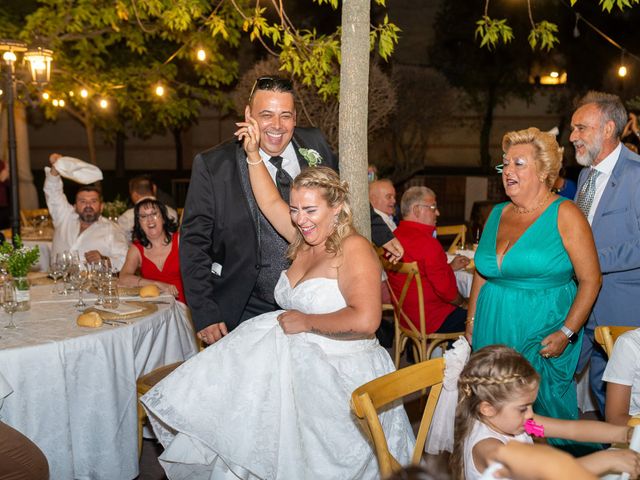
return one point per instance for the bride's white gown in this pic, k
(263, 404)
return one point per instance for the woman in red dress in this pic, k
(154, 250)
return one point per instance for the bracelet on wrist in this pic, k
(469, 321)
(254, 163)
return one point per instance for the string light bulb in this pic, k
(55, 102)
(45, 96)
(61, 103)
(554, 74)
(103, 104)
(84, 93)
(159, 90)
(201, 55)
(71, 94)
(622, 71)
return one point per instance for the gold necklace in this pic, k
(523, 211)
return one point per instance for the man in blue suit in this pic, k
(609, 194)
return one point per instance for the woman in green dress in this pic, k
(524, 294)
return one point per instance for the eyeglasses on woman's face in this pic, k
(149, 217)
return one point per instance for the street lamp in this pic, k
(39, 60)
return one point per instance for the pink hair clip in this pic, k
(532, 428)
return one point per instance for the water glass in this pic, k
(9, 300)
(111, 297)
(98, 271)
(78, 276)
(56, 270)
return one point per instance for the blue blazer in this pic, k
(616, 230)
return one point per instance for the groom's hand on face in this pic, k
(213, 333)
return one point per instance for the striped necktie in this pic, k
(283, 179)
(587, 192)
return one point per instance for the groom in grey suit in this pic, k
(609, 194)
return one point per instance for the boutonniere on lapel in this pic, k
(312, 157)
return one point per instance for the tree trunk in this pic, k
(354, 94)
(120, 160)
(485, 130)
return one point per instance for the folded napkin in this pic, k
(78, 170)
(123, 309)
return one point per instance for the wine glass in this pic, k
(97, 272)
(64, 260)
(56, 270)
(9, 301)
(78, 276)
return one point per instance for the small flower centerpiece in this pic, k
(17, 261)
(312, 157)
(112, 210)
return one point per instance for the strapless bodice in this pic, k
(315, 295)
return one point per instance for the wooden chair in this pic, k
(606, 336)
(146, 382)
(369, 398)
(460, 232)
(180, 212)
(423, 343)
(27, 215)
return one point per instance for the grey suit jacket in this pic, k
(616, 229)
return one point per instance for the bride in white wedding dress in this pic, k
(271, 399)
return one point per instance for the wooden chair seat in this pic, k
(371, 397)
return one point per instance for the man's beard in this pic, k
(591, 153)
(89, 216)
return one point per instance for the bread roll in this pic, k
(89, 319)
(149, 291)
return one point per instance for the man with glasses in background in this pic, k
(230, 256)
(444, 307)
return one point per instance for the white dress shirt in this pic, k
(388, 219)
(126, 220)
(289, 162)
(605, 167)
(104, 235)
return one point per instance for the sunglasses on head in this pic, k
(277, 84)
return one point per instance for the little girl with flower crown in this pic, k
(496, 390)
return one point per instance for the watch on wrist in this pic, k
(571, 335)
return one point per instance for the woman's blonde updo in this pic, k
(548, 154)
(335, 192)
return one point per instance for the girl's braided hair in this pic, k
(494, 374)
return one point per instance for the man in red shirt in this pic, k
(445, 309)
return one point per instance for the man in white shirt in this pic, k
(609, 195)
(382, 196)
(81, 226)
(140, 188)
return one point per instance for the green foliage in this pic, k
(115, 208)
(608, 5)
(492, 31)
(544, 35)
(18, 260)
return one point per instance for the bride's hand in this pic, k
(293, 321)
(249, 132)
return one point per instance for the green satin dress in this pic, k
(527, 297)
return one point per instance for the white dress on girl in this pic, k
(261, 404)
(623, 367)
(480, 432)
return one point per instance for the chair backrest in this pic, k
(412, 272)
(27, 215)
(606, 336)
(460, 232)
(367, 399)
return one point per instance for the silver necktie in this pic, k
(587, 192)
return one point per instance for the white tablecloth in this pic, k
(74, 389)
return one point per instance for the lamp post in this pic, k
(39, 60)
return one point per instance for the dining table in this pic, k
(72, 389)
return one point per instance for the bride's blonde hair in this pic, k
(335, 192)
